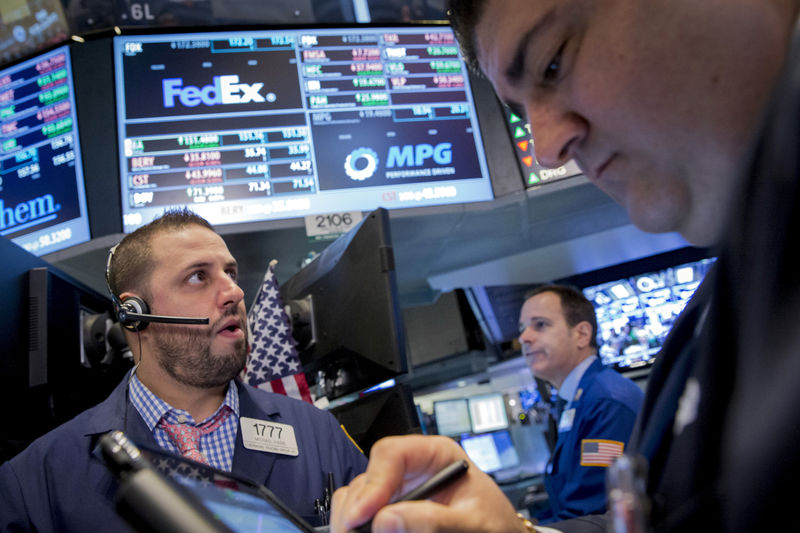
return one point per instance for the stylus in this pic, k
(430, 487)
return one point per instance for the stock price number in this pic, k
(54, 237)
(302, 183)
(258, 186)
(300, 166)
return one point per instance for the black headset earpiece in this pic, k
(132, 304)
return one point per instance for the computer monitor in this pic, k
(491, 452)
(379, 414)
(59, 311)
(45, 372)
(635, 314)
(345, 312)
(42, 196)
(249, 126)
(488, 413)
(452, 417)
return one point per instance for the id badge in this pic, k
(267, 436)
(565, 424)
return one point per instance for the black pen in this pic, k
(427, 489)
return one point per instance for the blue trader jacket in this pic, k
(60, 484)
(606, 405)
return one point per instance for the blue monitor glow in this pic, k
(488, 413)
(634, 315)
(491, 452)
(264, 125)
(452, 417)
(42, 196)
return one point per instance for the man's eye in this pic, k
(554, 67)
(197, 277)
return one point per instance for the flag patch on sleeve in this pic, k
(600, 452)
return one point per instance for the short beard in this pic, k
(185, 354)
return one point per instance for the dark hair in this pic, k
(132, 260)
(464, 16)
(575, 306)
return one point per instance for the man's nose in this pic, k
(230, 293)
(556, 133)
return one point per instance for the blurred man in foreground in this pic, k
(686, 114)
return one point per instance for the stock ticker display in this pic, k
(533, 173)
(42, 197)
(276, 124)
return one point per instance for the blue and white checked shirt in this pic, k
(217, 446)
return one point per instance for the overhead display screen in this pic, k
(42, 197)
(634, 315)
(251, 126)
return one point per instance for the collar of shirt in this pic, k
(573, 379)
(217, 446)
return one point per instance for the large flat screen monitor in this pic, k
(635, 314)
(42, 196)
(261, 125)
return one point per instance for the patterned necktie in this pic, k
(187, 437)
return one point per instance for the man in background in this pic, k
(685, 113)
(183, 384)
(598, 406)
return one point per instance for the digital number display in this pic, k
(42, 197)
(250, 126)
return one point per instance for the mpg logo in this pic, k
(224, 90)
(361, 163)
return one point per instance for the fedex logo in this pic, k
(225, 90)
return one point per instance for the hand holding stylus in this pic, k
(469, 502)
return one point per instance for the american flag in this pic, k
(188, 473)
(599, 452)
(273, 364)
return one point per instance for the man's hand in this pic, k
(473, 503)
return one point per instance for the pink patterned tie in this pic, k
(187, 437)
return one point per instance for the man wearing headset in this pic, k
(184, 379)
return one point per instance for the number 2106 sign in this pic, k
(331, 225)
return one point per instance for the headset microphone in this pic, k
(133, 313)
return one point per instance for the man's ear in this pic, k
(583, 331)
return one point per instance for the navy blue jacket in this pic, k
(606, 405)
(59, 483)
